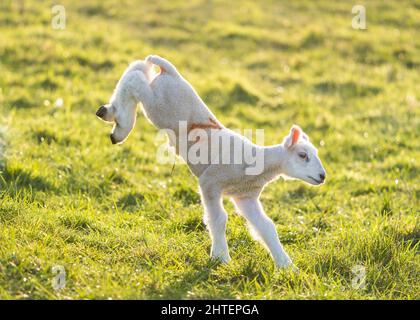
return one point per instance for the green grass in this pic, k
(123, 226)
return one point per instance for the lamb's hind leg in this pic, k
(265, 229)
(215, 217)
(141, 89)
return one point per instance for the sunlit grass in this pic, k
(124, 226)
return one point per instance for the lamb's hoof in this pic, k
(222, 257)
(152, 58)
(149, 61)
(295, 269)
(288, 265)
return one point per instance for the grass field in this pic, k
(124, 226)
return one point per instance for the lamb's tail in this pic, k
(163, 64)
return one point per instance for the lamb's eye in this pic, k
(303, 155)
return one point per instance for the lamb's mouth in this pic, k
(317, 181)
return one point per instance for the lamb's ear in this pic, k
(293, 137)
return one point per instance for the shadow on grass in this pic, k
(23, 102)
(410, 239)
(192, 224)
(131, 201)
(45, 136)
(237, 94)
(180, 287)
(79, 223)
(8, 213)
(17, 179)
(187, 196)
(348, 89)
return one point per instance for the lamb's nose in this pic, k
(322, 176)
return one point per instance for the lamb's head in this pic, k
(301, 158)
(122, 107)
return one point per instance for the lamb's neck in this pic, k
(274, 157)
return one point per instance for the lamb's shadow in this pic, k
(179, 287)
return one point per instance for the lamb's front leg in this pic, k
(215, 217)
(252, 210)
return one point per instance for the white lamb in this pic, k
(168, 100)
